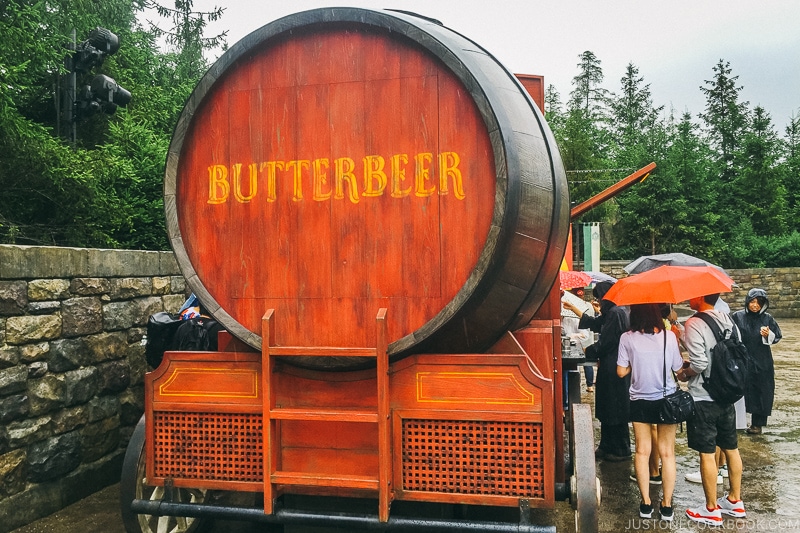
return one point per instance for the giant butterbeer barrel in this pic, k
(341, 160)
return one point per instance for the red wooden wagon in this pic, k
(376, 211)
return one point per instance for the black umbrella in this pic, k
(649, 262)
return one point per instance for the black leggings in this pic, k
(615, 439)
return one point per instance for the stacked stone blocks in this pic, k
(72, 324)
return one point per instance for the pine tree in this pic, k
(686, 168)
(106, 191)
(725, 117)
(187, 35)
(759, 184)
(640, 139)
(791, 177)
(633, 114)
(554, 114)
(587, 94)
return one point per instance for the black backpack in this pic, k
(161, 328)
(730, 365)
(197, 335)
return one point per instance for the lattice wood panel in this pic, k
(479, 457)
(208, 446)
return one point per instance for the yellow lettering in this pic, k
(374, 174)
(298, 166)
(446, 168)
(422, 174)
(218, 183)
(320, 179)
(237, 182)
(399, 176)
(272, 168)
(330, 177)
(343, 171)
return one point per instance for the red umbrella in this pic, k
(669, 284)
(573, 278)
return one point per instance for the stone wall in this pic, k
(71, 368)
(782, 286)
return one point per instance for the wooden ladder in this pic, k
(273, 416)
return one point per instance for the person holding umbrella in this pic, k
(612, 402)
(714, 424)
(759, 331)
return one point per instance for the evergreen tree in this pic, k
(725, 117)
(633, 113)
(640, 139)
(587, 94)
(584, 137)
(686, 168)
(554, 114)
(791, 175)
(47, 187)
(759, 184)
(186, 35)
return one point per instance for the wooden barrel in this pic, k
(341, 160)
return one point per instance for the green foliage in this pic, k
(778, 250)
(725, 117)
(759, 184)
(187, 35)
(726, 189)
(587, 94)
(106, 191)
(552, 105)
(791, 174)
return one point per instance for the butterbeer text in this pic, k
(344, 178)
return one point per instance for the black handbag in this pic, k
(161, 328)
(676, 407)
(590, 352)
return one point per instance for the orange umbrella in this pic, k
(669, 284)
(573, 278)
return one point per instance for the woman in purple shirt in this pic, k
(649, 353)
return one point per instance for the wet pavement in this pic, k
(770, 483)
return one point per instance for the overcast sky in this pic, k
(675, 44)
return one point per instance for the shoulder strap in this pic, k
(665, 362)
(715, 329)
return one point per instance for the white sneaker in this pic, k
(704, 516)
(734, 509)
(723, 471)
(695, 477)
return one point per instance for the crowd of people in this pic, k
(642, 354)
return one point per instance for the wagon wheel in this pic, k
(133, 486)
(584, 483)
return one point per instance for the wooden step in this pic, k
(321, 351)
(337, 415)
(282, 477)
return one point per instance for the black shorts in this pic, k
(645, 411)
(713, 425)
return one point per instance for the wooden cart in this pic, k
(455, 429)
